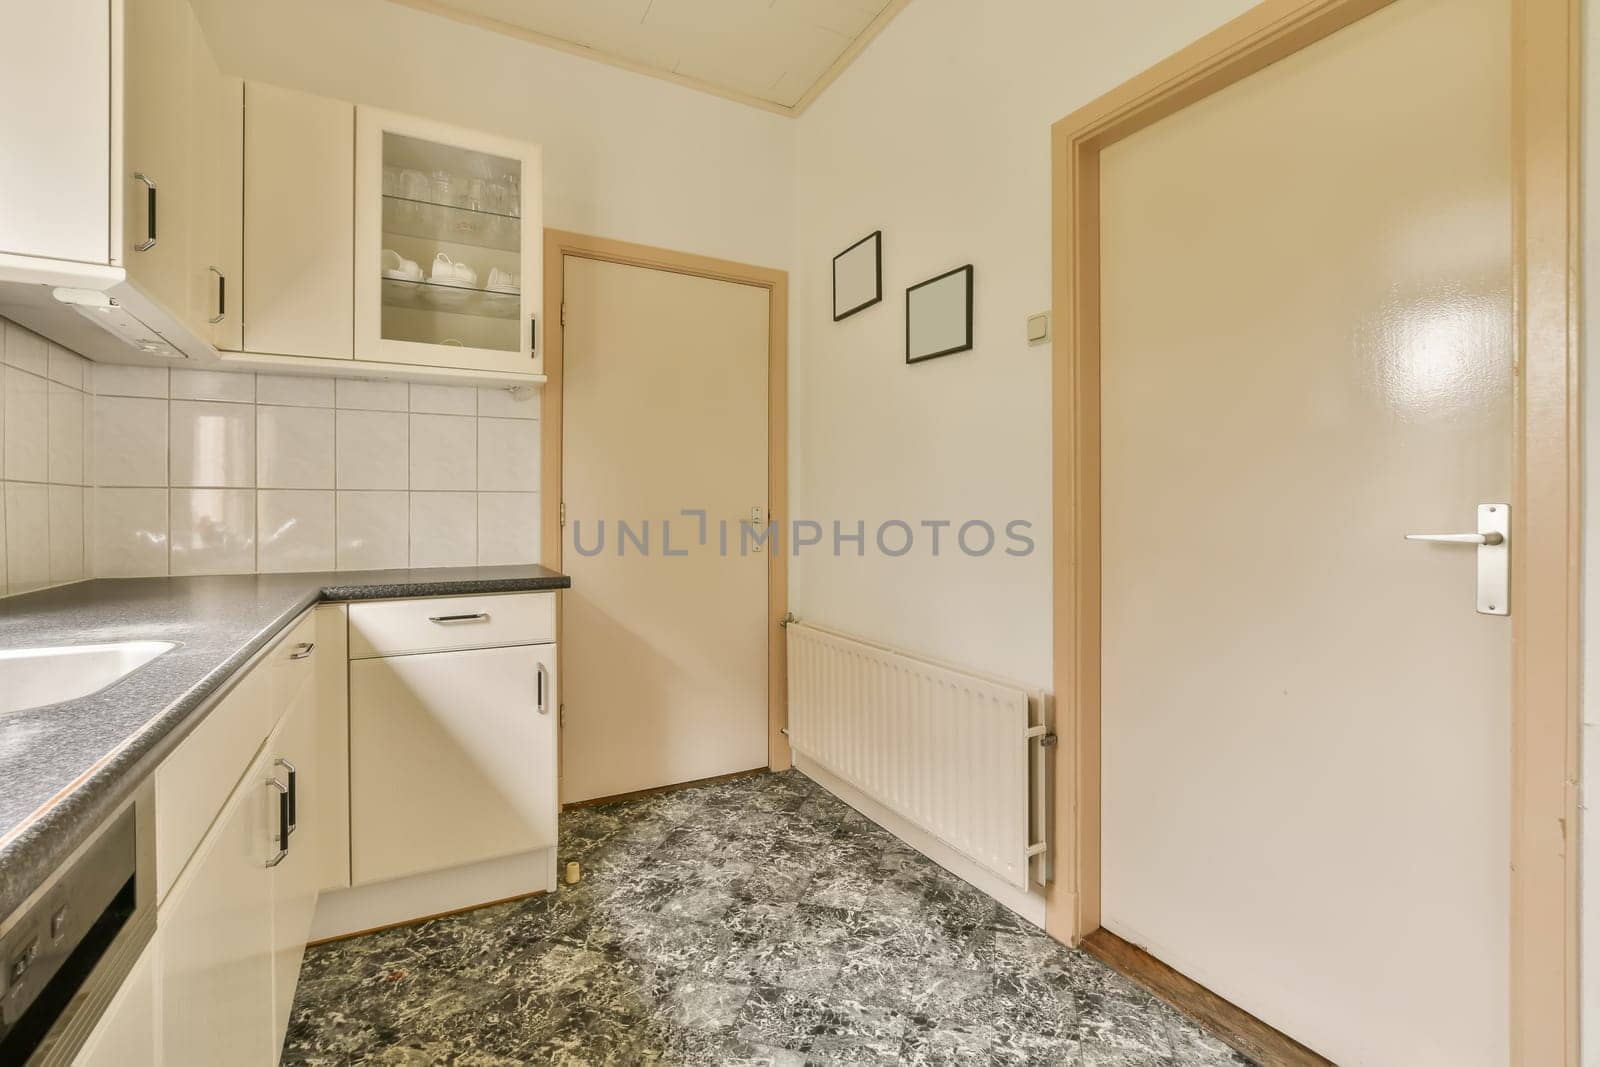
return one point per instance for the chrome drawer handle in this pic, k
(303, 650)
(477, 616)
(283, 821)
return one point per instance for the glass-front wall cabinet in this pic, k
(448, 246)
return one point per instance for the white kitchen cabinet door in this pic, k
(297, 878)
(299, 165)
(215, 934)
(126, 1035)
(464, 209)
(155, 183)
(452, 759)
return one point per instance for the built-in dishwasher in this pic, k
(66, 950)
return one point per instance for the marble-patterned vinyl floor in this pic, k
(758, 921)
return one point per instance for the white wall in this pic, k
(939, 134)
(625, 155)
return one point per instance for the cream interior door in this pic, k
(664, 649)
(1306, 355)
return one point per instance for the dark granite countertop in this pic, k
(65, 767)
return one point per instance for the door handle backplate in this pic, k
(1493, 545)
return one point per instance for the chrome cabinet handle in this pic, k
(222, 296)
(478, 616)
(150, 212)
(294, 792)
(543, 688)
(303, 650)
(1460, 539)
(283, 821)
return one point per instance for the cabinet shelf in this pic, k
(404, 217)
(450, 299)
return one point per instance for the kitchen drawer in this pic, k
(291, 663)
(440, 624)
(193, 783)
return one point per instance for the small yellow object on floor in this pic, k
(573, 873)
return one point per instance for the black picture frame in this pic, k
(876, 237)
(964, 346)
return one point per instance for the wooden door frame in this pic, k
(1545, 307)
(559, 244)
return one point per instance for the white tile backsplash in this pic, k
(66, 533)
(444, 529)
(508, 528)
(26, 350)
(214, 385)
(294, 447)
(444, 452)
(120, 471)
(213, 531)
(372, 450)
(294, 530)
(213, 444)
(27, 433)
(373, 530)
(113, 379)
(43, 433)
(66, 435)
(508, 455)
(27, 536)
(130, 442)
(294, 392)
(365, 395)
(128, 532)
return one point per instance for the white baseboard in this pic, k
(1029, 905)
(341, 912)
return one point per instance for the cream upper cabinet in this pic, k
(155, 183)
(298, 226)
(216, 140)
(449, 234)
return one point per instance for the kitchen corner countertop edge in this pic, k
(66, 767)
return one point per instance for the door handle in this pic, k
(1460, 539)
(294, 792)
(303, 649)
(222, 296)
(283, 821)
(1494, 555)
(476, 616)
(543, 688)
(149, 214)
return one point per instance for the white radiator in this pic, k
(960, 755)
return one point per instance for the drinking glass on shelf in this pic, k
(513, 197)
(478, 194)
(458, 190)
(391, 180)
(414, 185)
(439, 187)
(497, 198)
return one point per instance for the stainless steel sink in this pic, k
(35, 677)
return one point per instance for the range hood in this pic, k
(96, 311)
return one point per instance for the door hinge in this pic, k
(563, 514)
(563, 312)
(561, 716)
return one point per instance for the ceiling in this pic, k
(773, 54)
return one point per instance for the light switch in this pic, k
(1039, 328)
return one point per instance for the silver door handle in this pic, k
(544, 691)
(476, 616)
(222, 296)
(303, 649)
(1461, 539)
(149, 184)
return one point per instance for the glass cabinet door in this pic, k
(447, 246)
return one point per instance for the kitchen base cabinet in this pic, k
(215, 935)
(452, 759)
(298, 876)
